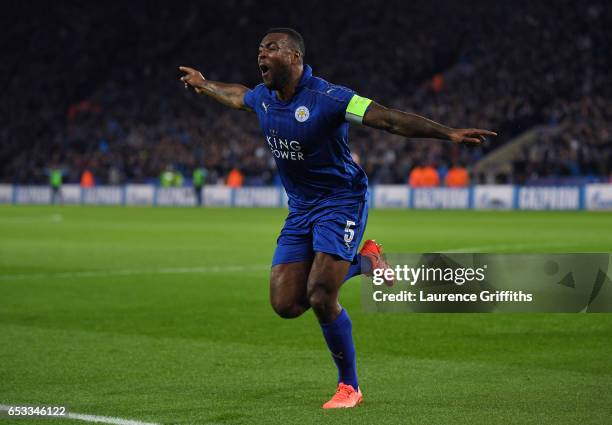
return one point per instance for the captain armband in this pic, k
(356, 109)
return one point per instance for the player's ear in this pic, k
(297, 55)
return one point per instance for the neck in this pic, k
(288, 90)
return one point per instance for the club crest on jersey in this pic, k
(302, 113)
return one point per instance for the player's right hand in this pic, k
(193, 78)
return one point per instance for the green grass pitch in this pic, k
(162, 315)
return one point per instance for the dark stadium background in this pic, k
(163, 315)
(95, 84)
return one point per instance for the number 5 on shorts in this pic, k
(349, 233)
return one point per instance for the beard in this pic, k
(280, 78)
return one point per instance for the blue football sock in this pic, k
(339, 337)
(354, 269)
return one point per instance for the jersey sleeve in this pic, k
(251, 97)
(344, 104)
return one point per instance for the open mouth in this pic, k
(265, 70)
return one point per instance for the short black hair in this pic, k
(294, 36)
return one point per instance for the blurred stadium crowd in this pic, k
(95, 85)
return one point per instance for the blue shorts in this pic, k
(332, 229)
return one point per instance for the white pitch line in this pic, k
(89, 418)
(133, 272)
(485, 248)
(54, 218)
(238, 268)
(107, 419)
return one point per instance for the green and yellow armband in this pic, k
(356, 109)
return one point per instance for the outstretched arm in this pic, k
(231, 95)
(411, 125)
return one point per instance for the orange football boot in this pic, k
(373, 251)
(345, 397)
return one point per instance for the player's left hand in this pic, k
(469, 135)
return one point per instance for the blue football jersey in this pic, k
(308, 137)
